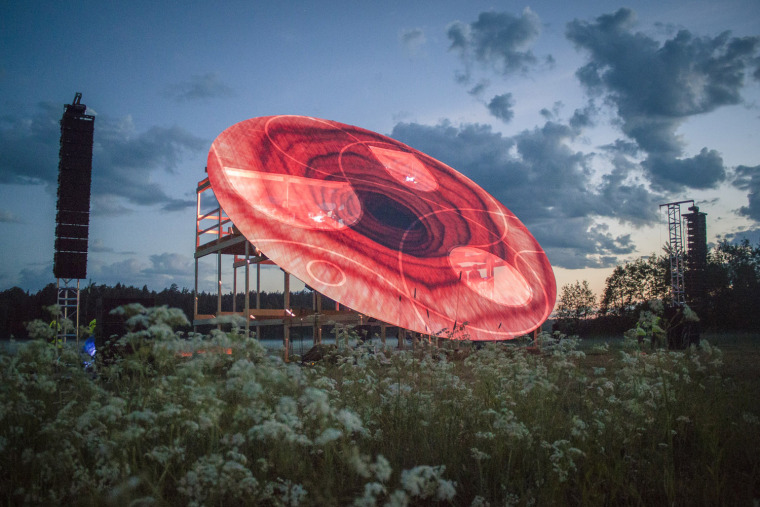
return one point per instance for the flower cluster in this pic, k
(218, 420)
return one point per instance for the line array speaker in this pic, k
(74, 182)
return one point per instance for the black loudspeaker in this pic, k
(74, 181)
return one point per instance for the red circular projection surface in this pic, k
(381, 227)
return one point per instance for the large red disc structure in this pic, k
(381, 227)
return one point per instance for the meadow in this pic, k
(219, 420)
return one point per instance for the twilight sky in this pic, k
(580, 117)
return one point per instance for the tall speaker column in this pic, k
(73, 209)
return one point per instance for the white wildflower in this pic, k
(274, 430)
(350, 421)
(371, 491)
(289, 494)
(325, 383)
(163, 454)
(426, 482)
(315, 402)
(562, 458)
(359, 463)
(398, 498)
(263, 465)
(148, 417)
(578, 429)
(233, 441)
(478, 454)
(381, 468)
(287, 412)
(327, 436)
(479, 501)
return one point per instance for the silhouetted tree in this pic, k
(634, 283)
(576, 301)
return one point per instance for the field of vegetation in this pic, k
(219, 420)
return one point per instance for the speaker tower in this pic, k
(73, 208)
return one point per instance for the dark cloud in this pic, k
(626, 200)
(623, 147)
(124, 161)
(654, 87)
(736, 238)
(479, 88)
(579, 242)
(702, 171)
(545, 183)
(201, 87)
(413, 40)
(29, 146)
(748, 178)
(501, 107)
(554, 113)
(584, 117)
(497, 40)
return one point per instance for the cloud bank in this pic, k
(498, 41)
(124, 161)
(544, 182)
(654, 87)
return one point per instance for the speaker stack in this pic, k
(74, 181)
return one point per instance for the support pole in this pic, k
(218, 287)
(317, 332)
(247, 291)
(258, 285)
(195, 297)
(77, 324)
(287, 318)
(219, 270)
(234, 288)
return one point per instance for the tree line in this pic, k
(731, 301)
(18, 307)
(731, 293)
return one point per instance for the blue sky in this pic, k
(581, 117)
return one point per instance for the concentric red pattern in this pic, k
(381, 227)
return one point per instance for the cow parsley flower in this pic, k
(328, 435)
(427, 482)
(350, 421)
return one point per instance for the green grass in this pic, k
(589, 424)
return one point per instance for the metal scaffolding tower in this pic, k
(68, 302)
(675, 247)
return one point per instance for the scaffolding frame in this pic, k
(68, 302)
(676, 251)
(224, 239)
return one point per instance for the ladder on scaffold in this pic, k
(68, 303)
(675, 244)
